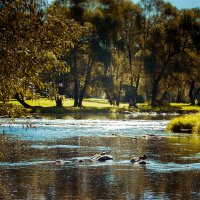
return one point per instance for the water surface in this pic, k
(28, 169)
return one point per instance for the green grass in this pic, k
(185, 107)
(188, 122)
(44, 102)
(92, 105)
(96, 105)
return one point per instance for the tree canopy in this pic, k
(117, 49)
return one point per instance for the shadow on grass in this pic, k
(113, 109)
(64, 110)
(177, 108)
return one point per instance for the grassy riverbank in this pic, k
(94, 105)
(187, 123)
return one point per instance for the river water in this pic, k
(28, 168)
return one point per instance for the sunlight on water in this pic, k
(54, 146)
(57, 129)
(23, 164)
(52, 160)
(172, 167)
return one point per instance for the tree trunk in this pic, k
(180, 93)
(191, 96)
(154, 93)
(119, 93)
(20, 98)
(132, 100)
(109, 97)
(165, 93)
(76, 89)
(136, 90)
(86, 82)
(132, 92)
(76, 85)
(160, 101)
(59, 102)
(197, 92)
(80, 101)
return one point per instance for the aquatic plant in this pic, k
(187, 123)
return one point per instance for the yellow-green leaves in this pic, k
(33, 44)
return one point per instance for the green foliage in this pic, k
(32, 46)
(12, 110)
(72, 46)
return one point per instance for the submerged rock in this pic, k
(102, 157)
(60, 162)
(152, 136)
(140, 160)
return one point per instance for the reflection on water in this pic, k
(28, 169)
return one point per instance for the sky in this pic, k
(185, 3)
(180, 4)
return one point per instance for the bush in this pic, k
(11, 110)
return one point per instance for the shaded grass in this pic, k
(188, 122)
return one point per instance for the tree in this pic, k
(32, 45)
(18, 51)
(171, 36)
(130, 35)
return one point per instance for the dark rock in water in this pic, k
(139, 159)
(60, 162)
(136, 159)
(144, 157)
(103, 158)
(97, 155)
(185, 130)
(134, 138)
(142, 162)
(151, 136)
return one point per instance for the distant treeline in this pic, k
(99, 48)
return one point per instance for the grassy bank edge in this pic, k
(187, 124)
(95, 106)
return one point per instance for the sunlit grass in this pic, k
(97, 105)
(190, 122)
(91, 102)
(186, 106)
(44, 102)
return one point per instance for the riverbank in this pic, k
(95, 106)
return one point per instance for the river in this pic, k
(28, 167)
